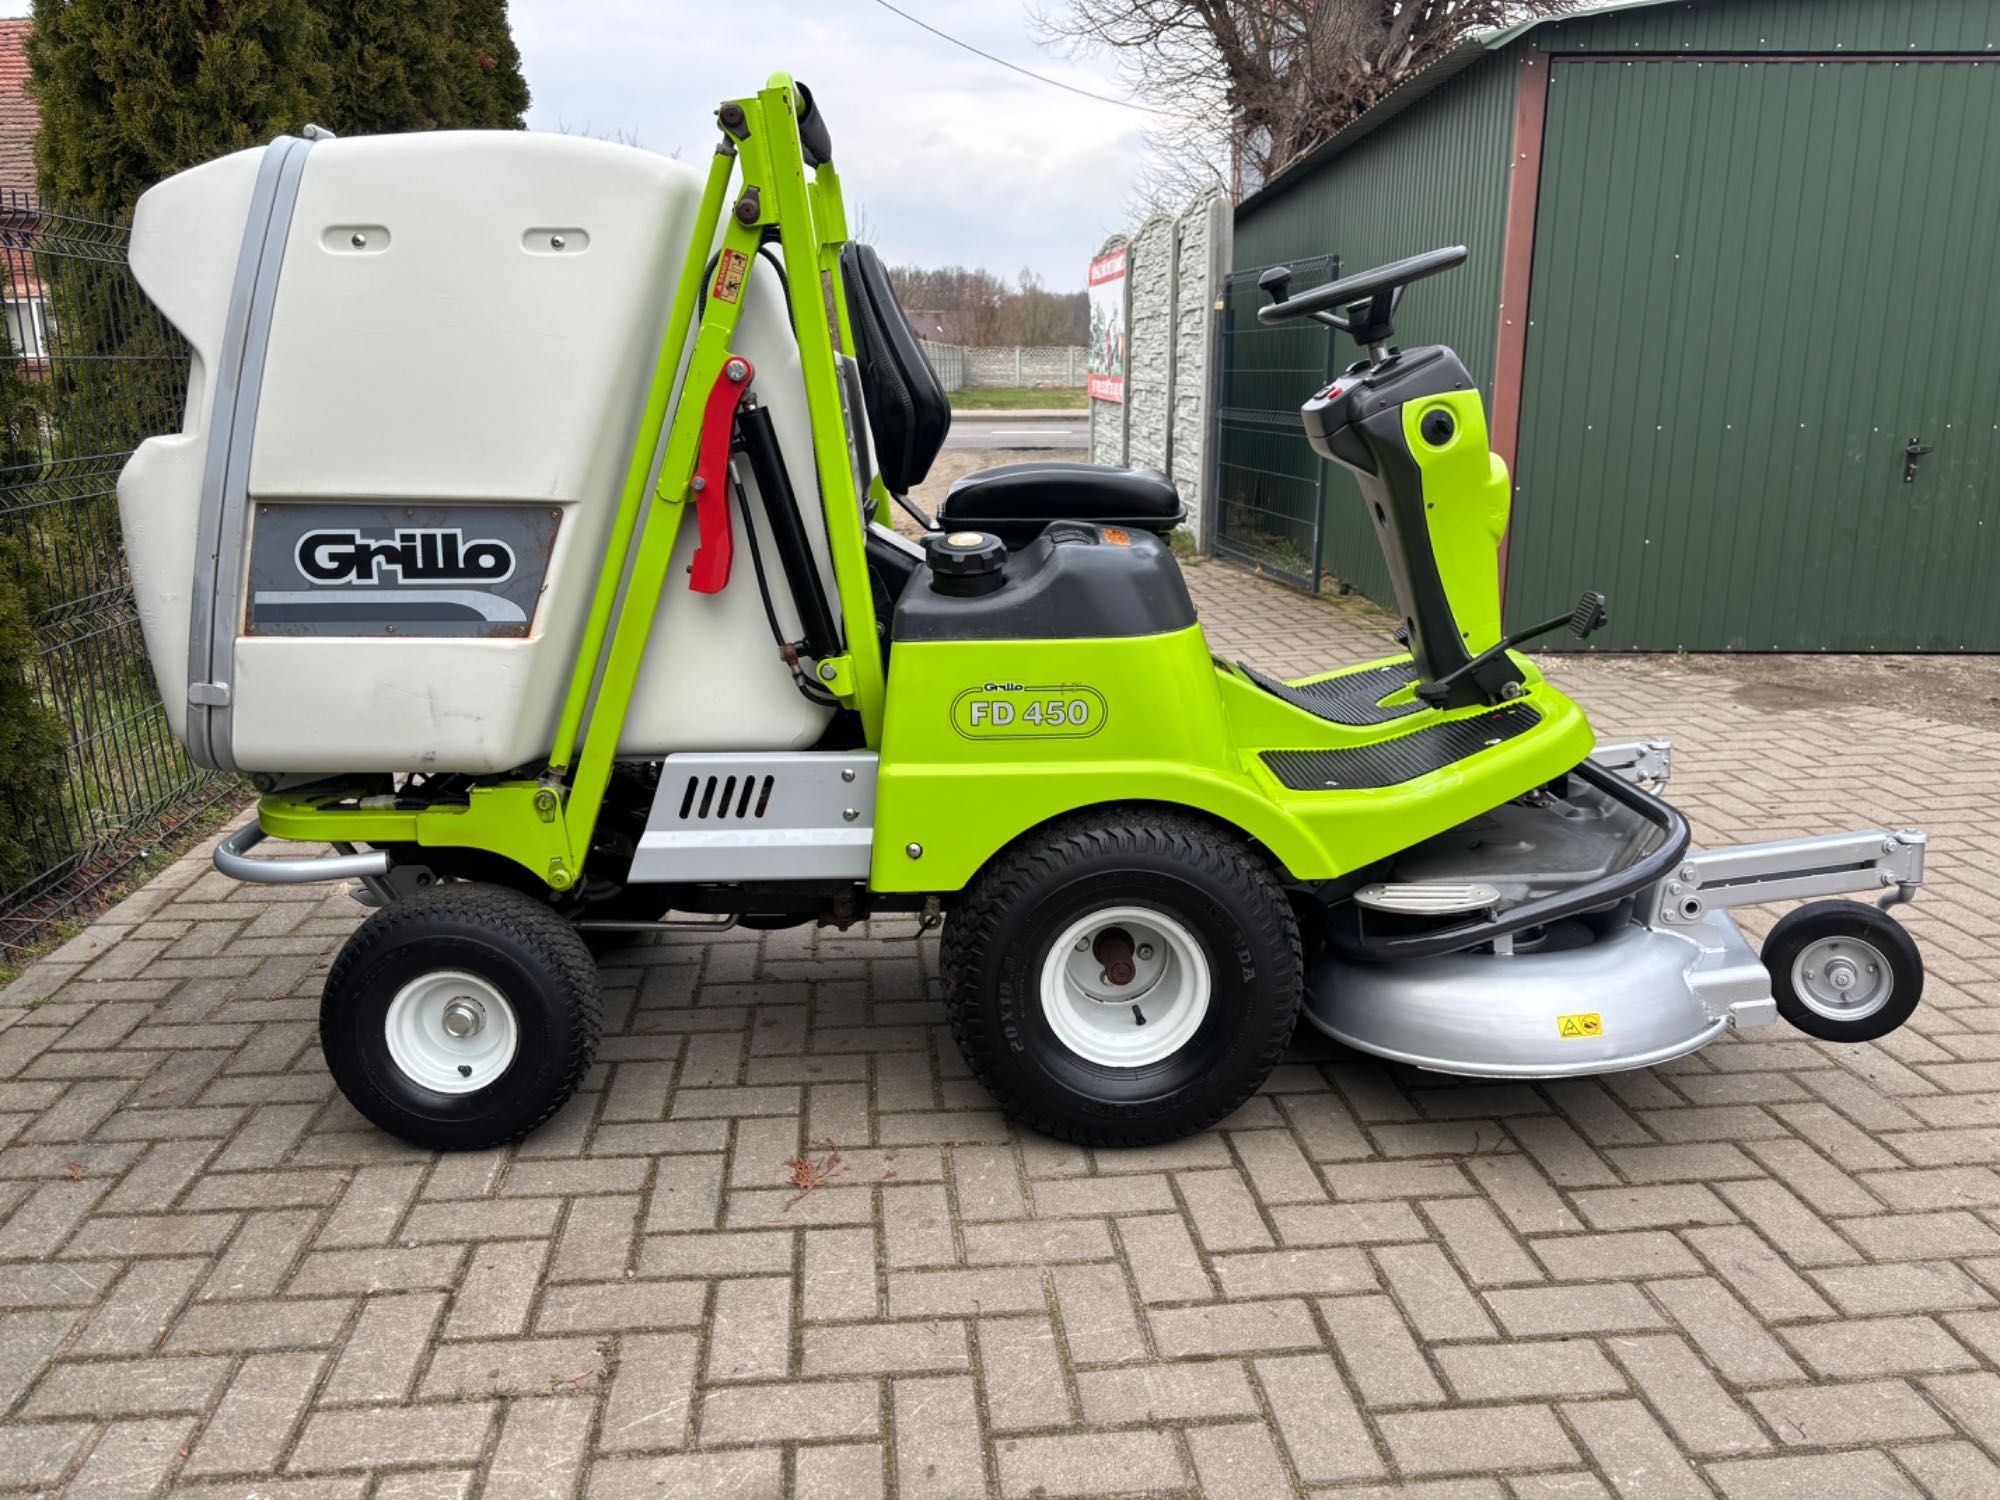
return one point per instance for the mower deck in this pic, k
(1607, 944)
(1631, 1000)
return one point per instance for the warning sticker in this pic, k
(1572, 1027)
(729, 276)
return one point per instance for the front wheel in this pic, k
(461, 1017)
(1123, 978)
(1844, 972)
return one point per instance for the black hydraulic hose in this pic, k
(781, 510)
(786, 650)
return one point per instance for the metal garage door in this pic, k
(1755, 284)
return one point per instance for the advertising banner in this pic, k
(1107, 327)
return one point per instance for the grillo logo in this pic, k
(428, 555)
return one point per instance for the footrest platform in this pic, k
(1404, 758)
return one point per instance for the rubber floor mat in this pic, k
(1405, 758)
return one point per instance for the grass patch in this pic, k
(175, 837)
(1018, 398)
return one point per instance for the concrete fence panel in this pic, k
(1051, 367)
(1174, 272)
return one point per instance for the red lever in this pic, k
(710, 484)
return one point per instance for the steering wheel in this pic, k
(1367, 300)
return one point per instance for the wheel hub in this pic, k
(451, 1032)
(464, 1017)
(1842, 978)
(1125, 987)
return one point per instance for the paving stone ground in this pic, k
(1771, 1270)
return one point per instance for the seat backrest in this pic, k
(908, 415)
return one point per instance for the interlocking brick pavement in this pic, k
(1769, 1270)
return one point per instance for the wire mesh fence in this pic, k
(90, 772)
(1269, 486)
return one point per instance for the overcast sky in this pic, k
(955, 159)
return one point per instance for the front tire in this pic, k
(461, 1017)
(1123, 978)
(1844, 972)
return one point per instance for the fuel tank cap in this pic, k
(965, 562)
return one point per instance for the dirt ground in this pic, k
(1948, 689)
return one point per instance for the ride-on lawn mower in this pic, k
(547, 587)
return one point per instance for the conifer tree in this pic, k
(421, 65)
(132, 91)
(486, 67)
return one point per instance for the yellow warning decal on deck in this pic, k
(1575, 1026)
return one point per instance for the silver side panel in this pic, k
(782, 815)
(216, 610)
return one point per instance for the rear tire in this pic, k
(1200, 934)
(462, 1017)
(1844, 972)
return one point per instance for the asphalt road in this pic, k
(1064, 431)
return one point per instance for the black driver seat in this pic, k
(909, 417)
(1015, 501)
(908, 414)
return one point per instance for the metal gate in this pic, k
(1762, 406)
(1269, 485)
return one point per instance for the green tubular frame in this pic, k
(545, 824)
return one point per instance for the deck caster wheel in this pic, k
(1124, 978)
(461, 1017)
(1843, 971)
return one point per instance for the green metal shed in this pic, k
(1734, 297)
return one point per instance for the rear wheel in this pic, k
(461, 1017)
(1843, 971)
(1123, 978)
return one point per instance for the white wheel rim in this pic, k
(1842, 978)
(451, 1032)
(1143, 1020)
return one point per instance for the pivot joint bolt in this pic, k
(737, 371)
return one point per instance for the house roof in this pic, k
(1419, 86)
(20, 120)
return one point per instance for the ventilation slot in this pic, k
(726, 799)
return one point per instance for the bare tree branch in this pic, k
(1255, 84)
